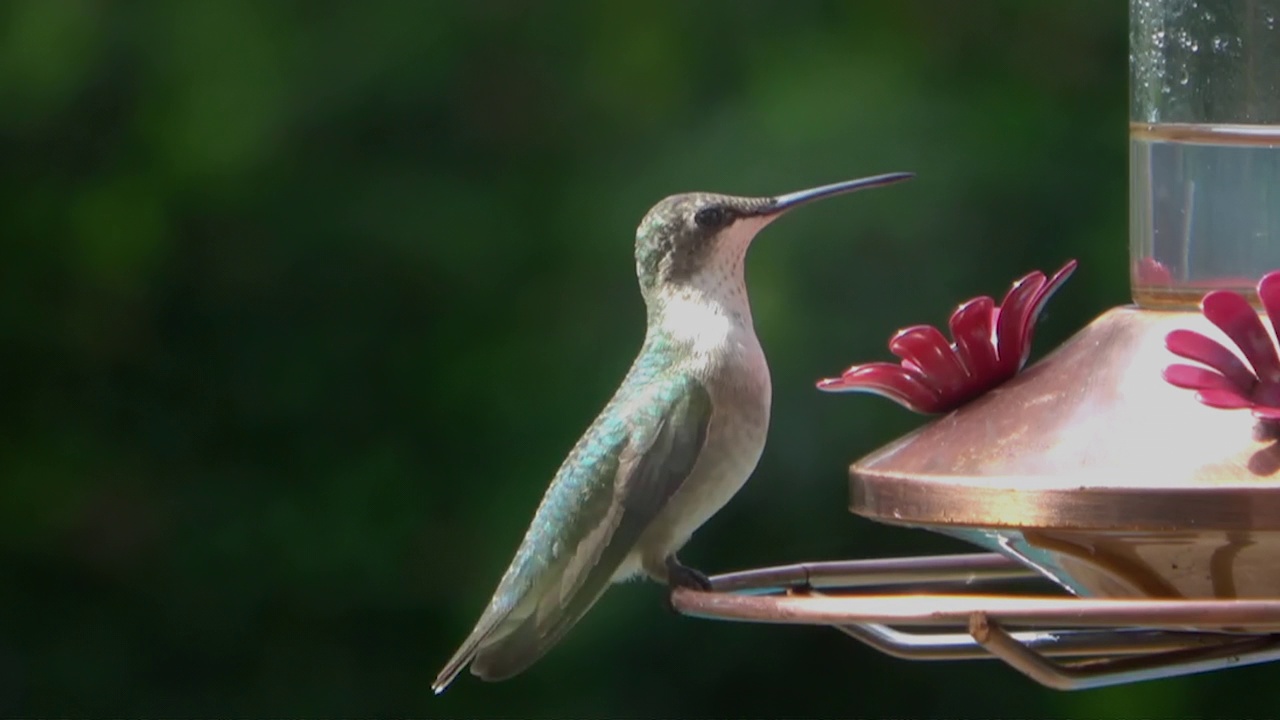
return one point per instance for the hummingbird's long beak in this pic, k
(782, 203)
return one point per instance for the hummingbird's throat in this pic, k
(704, 313)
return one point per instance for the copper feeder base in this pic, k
(1158, 516)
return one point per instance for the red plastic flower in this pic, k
(1226, 382)
(990, 345)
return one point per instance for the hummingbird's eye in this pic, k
(711, 217)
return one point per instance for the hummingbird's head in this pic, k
(700, 239)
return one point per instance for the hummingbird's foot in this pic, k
(680, 575)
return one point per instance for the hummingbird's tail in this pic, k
(497, 653)
(515, 651)
(470, 647)
(455, 666)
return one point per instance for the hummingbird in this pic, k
(677, 440)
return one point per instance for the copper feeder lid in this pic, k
(1092, 468)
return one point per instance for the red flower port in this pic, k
(1227, 382)
(1149, 271)
(990, 345)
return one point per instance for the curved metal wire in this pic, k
(1115, 641)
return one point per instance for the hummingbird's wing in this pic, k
(662, 431)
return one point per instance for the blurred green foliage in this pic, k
(303, 302)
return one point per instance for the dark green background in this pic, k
(303, 302)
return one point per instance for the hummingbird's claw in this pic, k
(680, 575)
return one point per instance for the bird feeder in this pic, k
(1126, 488)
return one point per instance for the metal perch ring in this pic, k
(1111, 641)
